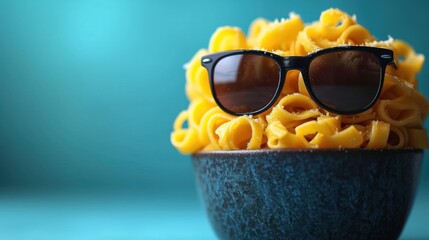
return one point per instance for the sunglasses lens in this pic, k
(345, 81)
(246, 83)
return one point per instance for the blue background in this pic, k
(88, 94)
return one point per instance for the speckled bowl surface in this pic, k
(308, 194)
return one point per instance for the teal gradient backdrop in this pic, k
(89, 89)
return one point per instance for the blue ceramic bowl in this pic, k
(308, 194)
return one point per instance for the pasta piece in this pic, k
(185, 140)
(333, 23)
(398, 113)
(355, 35)
(301, 86)
(210, 121)
(293, 108)
(349, 137)
(197, 79)
(411, 64)
(361, 118)
(241, 133)
(255, 29)
(325, 125)
(393, 87)
(291, 82)
(209, 125)
(398, 137)
(378, 134)
(197, 110)
(279, 137)
(324, 33)
(280, 35)
(227, 38)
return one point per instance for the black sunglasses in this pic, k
(342, 80)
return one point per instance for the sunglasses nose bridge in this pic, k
(293, 63)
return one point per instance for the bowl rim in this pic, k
(305, 150)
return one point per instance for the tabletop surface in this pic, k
(129, 216)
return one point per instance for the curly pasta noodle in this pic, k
(295, 121)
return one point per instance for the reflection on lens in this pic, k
(345, 81)
(246, 83)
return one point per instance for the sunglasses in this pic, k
(343, 80)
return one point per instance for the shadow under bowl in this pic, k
(308, 194)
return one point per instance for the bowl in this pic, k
(308, 193)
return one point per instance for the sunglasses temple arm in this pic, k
(393, 63)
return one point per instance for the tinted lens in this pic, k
(246, 83)
(345, 81)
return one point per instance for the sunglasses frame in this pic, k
(301, 63)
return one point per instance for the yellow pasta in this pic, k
(399, 112)
(295, 120)
(197, 79)
(197, 110)
(349, 137)
(185, 140)
(323, 125)
(293, 108)
(210, 122)
(378, 134)
(227, 38)
(279, 137)
(240, 133)
(254, 31)
(362, 118)
(279, 35)
(398, 137)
